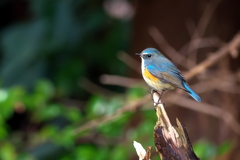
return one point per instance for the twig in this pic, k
(130, 106)
(128, 60)
(118, 80)
(148, 154)
(215, 57)
(205, 108)
(205, 19)
(225, 83)
(92, 87)
(202, 43)
(166, 47)
(201, 28)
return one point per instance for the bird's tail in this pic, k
(191, 92)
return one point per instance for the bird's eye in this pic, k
(149, 56)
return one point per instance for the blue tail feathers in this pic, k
(191, 92)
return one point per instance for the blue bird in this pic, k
(161, 74)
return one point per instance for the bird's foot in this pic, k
(159, 98)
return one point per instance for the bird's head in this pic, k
(149, 54)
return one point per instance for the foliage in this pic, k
(206, 150)
(55, 124)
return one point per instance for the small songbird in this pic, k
(161, 74)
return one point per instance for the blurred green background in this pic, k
(53, 54)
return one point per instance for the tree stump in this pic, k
(172, 143)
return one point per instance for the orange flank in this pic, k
(156, 83)
(149, 76)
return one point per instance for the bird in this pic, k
(161, 74)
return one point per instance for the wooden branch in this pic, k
(171, 143)
(129, 61)
(209, 109)
(141, 152)
(166, 47)
(148, 154)
(230, 47)
(119, 80)
(129, 107)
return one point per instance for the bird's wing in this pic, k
(171, 76)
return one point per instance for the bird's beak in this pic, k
(139, 54)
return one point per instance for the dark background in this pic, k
(65, 64)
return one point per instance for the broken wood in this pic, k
(172, 143)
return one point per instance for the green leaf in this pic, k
(48, 131)
(141, 132)
(45, 88)
(119, 153)
(47, 113)
(224, 148)
(3, 132)
(115, 128)
(66, 138)
(136, 92)
(25, 156)
(86, 152)
(99, 105)
(13, 97)
(7, 151)
(205, 150)
(73, 115)
(3, 95)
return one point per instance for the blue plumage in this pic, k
(161, 74)
(191, 92)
